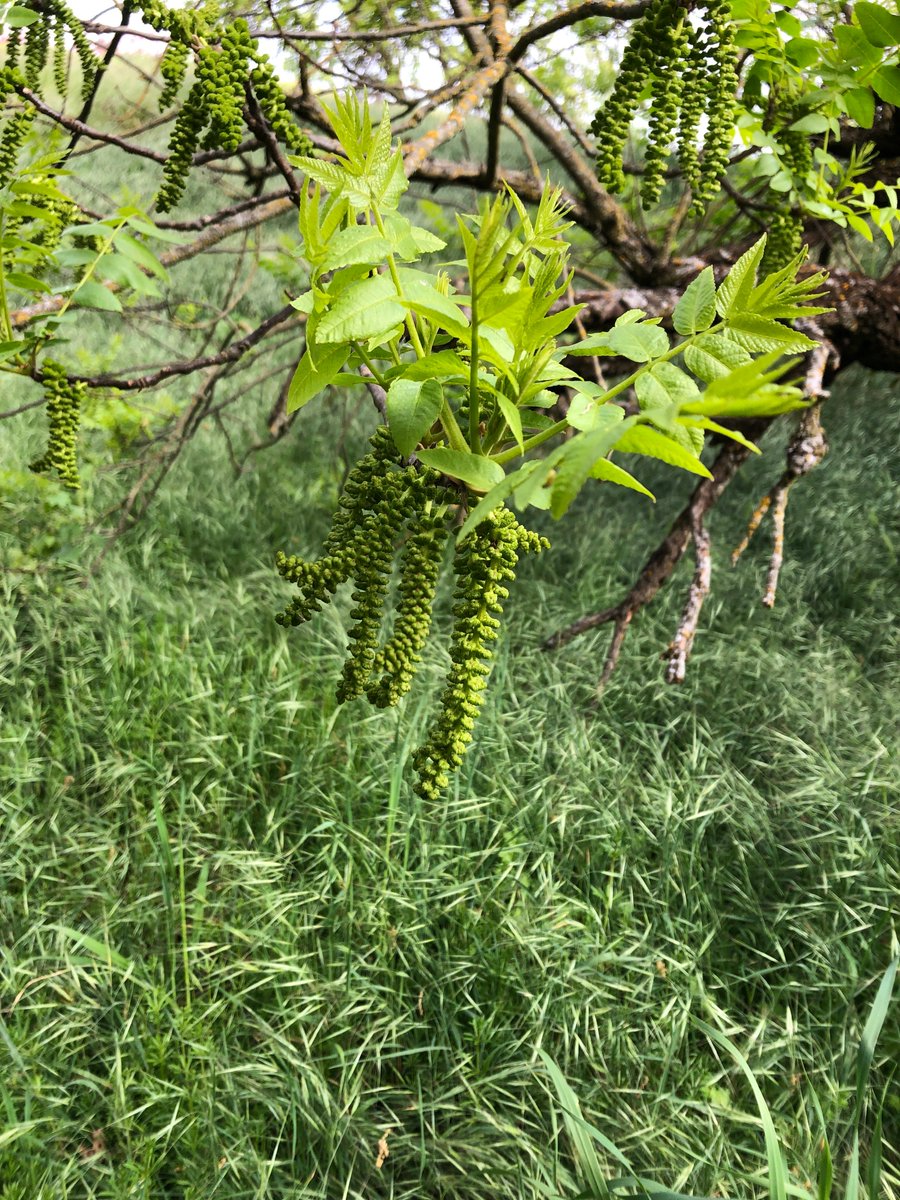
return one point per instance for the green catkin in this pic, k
(420, 567)
(385, 495)
(612, 121)
(381, 528)
(173, 68)
(37, 45)
(189, 125)
(693, 105)
(223, 74)
(15, 131)
(484, 564)
(721, 104)
(689, 64)
(270, 96)
(784, 241)
(65, 18)
(64, 403)
(346, 541)
(666, 99)
(217, 97)
(13, 48)
(59, 58)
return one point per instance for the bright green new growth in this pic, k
(467, 379)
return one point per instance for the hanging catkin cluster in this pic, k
(64, 403)
(784, 240)
(383, 499)
(32, 44)
(785, 228)
(228, 63)
(484, 564)
(390, 509)
(14, 130)
(685, 54)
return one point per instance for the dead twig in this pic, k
(806, 450)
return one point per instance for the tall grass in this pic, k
(240, 959)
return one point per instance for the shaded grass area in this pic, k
(237, 951)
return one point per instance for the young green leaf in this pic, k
(92, 294)
(639, 342)
(760, 334)
(413, 406)
(881, 27)
(312, 377)
(579, 457)
(356, 245)
(696, 310)
(612, 473)
(735, 289)
(365, 309)
(512, 416)
(497, 494)
(586, 413)
(480, 473)
(714, 357)
(886, 82)
(643, 439)
(702, 423)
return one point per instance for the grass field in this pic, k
(237, 951)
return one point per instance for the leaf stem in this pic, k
(370, 363)
(546, 434)
(452, 429)
(474, 411)
(4, 304)
(392, 267)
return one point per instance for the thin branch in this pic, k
(480, 84)
(99, 75)
(614, 9)
(238, 222)
(550, 100)
(664, 559)
(682, 643)
(806, 450)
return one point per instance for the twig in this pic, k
(779, 504)
(664, 559)
(682, 644)
(806, 450)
